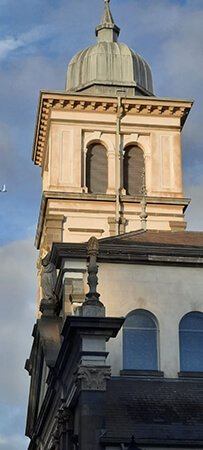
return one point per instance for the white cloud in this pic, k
(8, 45)
(18, 294)
(33, 36)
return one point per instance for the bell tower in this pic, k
(108, 148)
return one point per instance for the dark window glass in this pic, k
(133, 170)
(140, 341)
(191, 342)
(96, 169)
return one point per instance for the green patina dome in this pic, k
(109, 65)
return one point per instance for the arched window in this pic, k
(140, 350)
(133, 170)
(191, 342)
(96, 169)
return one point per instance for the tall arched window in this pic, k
(140, 341)
(96, 169)
(191, 342)
(133, 170)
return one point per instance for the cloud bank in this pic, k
(18, 293)
(25, 40)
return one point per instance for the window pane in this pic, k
(193, 321)
(133, 170)
(97, 169)
(191, 351)
(139, 320)
(140, 341)
(140, 349)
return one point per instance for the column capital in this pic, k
(93, 378)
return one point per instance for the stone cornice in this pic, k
(133, 253)
(154, 106)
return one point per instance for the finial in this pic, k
(92, 306)
(143, 215)
(92, 251)
(107, 31)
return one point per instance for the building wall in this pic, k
(71, 133)
(168, 292)
(64, 177)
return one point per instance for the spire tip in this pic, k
(107, 23)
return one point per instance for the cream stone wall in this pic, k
(64, 167)
(83, 219)
(70, 134)
(68, 123)
(168, 292)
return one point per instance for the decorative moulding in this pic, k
(69, 102)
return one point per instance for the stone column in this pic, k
(123, 225)
(92, 385)
(111, 172)
(84, 169)
(112, 226)
(93, 373)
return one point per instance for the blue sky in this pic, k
(37, 39)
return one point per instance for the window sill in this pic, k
(188, 374)
(142, 373)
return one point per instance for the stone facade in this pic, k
(153, 124)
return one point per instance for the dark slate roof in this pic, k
(159, 237)
(154, 411)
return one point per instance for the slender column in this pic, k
(111, 172)
(144, 215)
(92, 306)
(84, 187)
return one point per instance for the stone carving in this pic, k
(93, 246)
(93, 378)
(92, 307)
(65, 419)
(92, 250)
(64, 423)
(48, 279)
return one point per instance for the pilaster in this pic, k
(53, 229)
(112, 226)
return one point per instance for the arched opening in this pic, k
(133, 170)
(96, 169)
(140, 341)
(191, 342)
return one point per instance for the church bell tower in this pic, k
(108, 148)
(126, 360)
